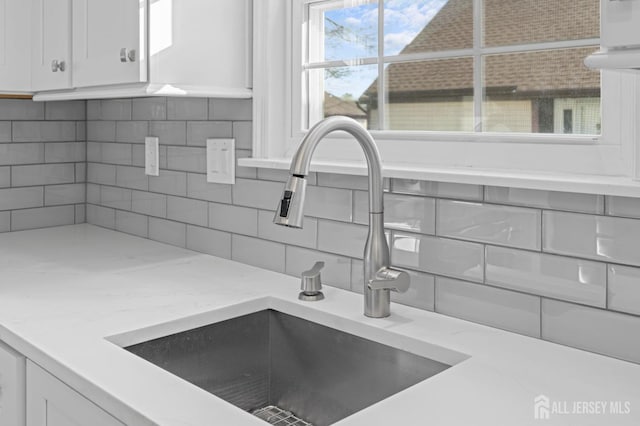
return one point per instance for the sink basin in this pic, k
(269, 358)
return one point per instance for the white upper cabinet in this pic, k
(109, 42)
(51, 47)
(14, 46)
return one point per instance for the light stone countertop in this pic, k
(64, 290)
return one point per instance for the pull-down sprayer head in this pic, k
(290, 209)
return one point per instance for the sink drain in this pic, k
(277, 416)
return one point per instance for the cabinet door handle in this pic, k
(127, 55)
(57, 65)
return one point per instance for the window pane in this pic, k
(414, 26)
(535, 21)
(342, 92)
(340, 30)
(427, 95)
(548, 91)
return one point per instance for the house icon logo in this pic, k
(541, 407)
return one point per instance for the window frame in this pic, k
(275, 137)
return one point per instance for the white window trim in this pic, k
(565, 162)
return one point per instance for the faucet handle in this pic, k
(311, 283)
(390, 279)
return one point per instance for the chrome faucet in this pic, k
(379, 277)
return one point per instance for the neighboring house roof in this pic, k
(334, 105)
(507, 22)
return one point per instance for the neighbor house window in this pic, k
(509, 66)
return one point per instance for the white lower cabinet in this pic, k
(12, 387)
(50, 402)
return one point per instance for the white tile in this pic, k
(20, 198)
(81, 172)
(103, 174)
(187, 159)
(93, 193)
(167, 231)
(169, 132)
(623, 206)
(44, 131)
(256, 252)
(5, 221)
(186, 210)
(342, 238)
(489, 223)
(552, 200)
(132, 177)
(111, 109)
(420, 295)
(64, 152)
(328, 203)
(230, 109)
(116, 198)
(154, 108)
(81, 213)
(169, 182)
(234, 219)
(559, 277)
(257, 193)
(149, 203)
(65, 110)
(597, 237)
(402, 212)
(131, 131)
(495, 307)
(336, 271)
(608, 333)
(198, 187)
(456, 191)
(305, 237)
(624, 289)
(64, 194)
(5, 131)
(43, 174)
(132, 223)
(5, 177)
(187, 108)
(438, 255)
(21, 109)
(28, 153)
(42, 217)
(199, 131)
(210, 241)
(101, 131)
(112, 153)
(242, 133)
(346, 181)
(101, 216)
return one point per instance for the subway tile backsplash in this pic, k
(559, 266)
(42, 158)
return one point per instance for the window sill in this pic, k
(588, 184)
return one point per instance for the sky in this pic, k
(403, 20)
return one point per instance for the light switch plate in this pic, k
(221, 161)
(151, 156)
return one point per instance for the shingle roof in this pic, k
(334, 105)
(507, 22)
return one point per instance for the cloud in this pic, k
(355, 22)
(395, 42)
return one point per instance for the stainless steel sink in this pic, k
(269, 358)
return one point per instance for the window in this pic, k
(435, 65)
(461, 85)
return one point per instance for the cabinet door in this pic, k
(51, 35)
(12, 385)
(109, 42)
(52, 403)
(14, 46)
